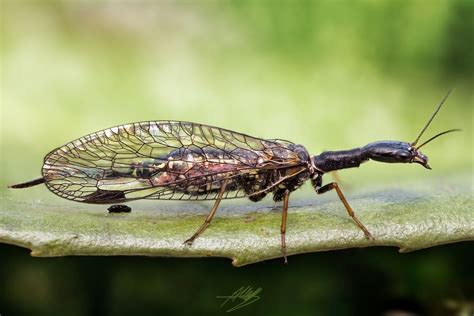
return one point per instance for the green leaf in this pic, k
(410, 216)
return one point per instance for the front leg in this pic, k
(334, 185)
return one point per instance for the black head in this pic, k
(403, 152)
(395, 152)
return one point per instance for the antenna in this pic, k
(438, 135)
(431, 119)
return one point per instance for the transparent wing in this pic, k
(163, 160)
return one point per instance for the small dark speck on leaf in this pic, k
(120, 208)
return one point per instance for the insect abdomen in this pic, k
(27, 184)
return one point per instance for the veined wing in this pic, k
(161, 160)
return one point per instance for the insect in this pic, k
(172, 160)
(119, 208)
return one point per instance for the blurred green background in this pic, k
(326, 74)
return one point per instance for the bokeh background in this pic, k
(326, 74)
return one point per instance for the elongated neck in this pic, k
(341, 159)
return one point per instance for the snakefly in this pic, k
(172, 160)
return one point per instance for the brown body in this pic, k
(188, 161)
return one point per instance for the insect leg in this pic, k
(334, 185)
(209, 217)
(286, 198)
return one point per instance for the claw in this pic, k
(188, 242)
(369, 236)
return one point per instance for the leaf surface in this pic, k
(410, 216)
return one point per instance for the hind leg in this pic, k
(286, 199)
(209, 217)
